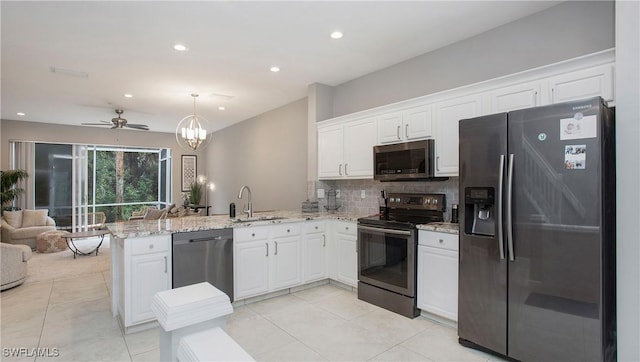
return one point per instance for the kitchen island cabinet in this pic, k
(270, 255)
(143, 269)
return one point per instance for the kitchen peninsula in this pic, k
(272, 252)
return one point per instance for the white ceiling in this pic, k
(126, 47)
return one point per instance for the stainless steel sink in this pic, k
(258, 219)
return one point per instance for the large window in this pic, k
(113, 180)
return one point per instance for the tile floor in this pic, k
(66, 311)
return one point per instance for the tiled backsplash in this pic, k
(350, 193)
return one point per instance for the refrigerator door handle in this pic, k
(499, 202)
(510, 208)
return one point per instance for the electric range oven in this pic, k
(388, 247)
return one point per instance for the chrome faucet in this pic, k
(249, 209)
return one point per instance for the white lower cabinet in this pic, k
(251, 268)
(315, 251)
(344, 253)
(144, 269)
(438, 274)
(286, 262)
(276, 257)
(266, 259)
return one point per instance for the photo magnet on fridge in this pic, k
(575, 157)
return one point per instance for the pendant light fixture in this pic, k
(193, 131)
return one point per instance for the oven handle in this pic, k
(385, 230)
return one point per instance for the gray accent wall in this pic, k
(53, 133)
(267, 153)
(562, 32)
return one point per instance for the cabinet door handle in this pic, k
(276, 252)
(266, 245)
(165, 264)
(406, 131)
(398, 132)
(324, 240)
(535, 98)
(345, 169)
(440, 241)
(340, 170)
(437, 163)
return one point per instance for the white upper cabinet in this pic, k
(417, 123)
(345, 143)
(330, 151)
(514, 97)
(360, 137)
(447, 116)
(591, 82)
(389, 127)
(345, 150)
(407, 125)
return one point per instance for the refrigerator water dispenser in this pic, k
(480, 211)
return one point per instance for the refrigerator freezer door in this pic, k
(482, 303)
(555, 279)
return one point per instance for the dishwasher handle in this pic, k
(199, 240)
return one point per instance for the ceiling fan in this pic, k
(119, 122)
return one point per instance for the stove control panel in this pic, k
(435, 202)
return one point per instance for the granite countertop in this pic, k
(136, 228)
(442, 227)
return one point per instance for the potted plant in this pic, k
(9, 191)
(195, 193)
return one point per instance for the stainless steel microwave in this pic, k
(407, 161)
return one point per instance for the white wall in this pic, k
(562, 32)
(45, 132)
(628, 177)
(267, 153)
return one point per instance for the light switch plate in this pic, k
(320, 193)
(337, 194)
(363, 194)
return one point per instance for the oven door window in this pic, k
(386, 259)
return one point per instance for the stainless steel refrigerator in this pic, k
(537, 233)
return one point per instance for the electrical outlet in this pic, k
(363, 194)
(320, 193)
(337, 194)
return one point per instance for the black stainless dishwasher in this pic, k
(204, 256)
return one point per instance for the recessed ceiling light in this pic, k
(274, 69)
(180, 47)
(127, 95)
(20, 114)
(336, 35)
(221, 108)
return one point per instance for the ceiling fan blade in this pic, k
(96, 124)
(137, 126)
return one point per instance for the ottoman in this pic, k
(51, 241)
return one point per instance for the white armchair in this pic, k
(14, 264)
(22, 226)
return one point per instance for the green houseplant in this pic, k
(195, 193)
(8, 181)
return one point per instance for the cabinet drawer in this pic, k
(347, 228)
(250, 234)
(148, 245)
(438, 240)
(315, 227)
(285, 230)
